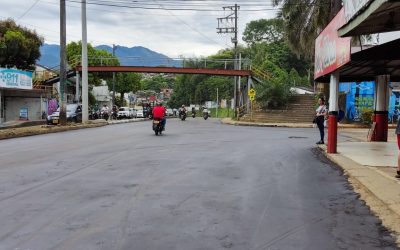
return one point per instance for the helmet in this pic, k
(183, 105)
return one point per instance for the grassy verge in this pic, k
(222, 112)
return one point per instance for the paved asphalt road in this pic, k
(202, 185)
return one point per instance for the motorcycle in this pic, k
(157, 126)
(182, 115)
(104, 115)
(205, 115)
(114, 115)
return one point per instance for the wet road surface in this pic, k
(202, 185)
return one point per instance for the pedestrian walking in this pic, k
(398, 145)
(320, 114)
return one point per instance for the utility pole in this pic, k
(229, 24)
(217, 104)
(85, 90)
(63, 64)
(113, 97)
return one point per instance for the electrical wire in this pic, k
(29, 9)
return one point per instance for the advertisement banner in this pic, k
(351, 7)
(17, 79)
(359, 97)
(331, 51)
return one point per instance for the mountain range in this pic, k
(134, 56)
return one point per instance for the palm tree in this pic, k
(304, 20)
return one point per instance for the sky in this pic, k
(170, 31)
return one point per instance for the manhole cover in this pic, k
(297, 137)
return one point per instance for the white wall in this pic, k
(13, 105)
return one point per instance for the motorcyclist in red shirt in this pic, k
(159, 114)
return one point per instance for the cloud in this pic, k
(172, 33)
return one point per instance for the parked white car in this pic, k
(124, 112)
(133, 112)
(139, 113)
(169, 112)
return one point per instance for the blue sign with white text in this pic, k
(13, 78)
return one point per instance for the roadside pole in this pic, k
(113, 78)
(85, 91)
(251, 111)
(63, 64)
(77, 87)
(217, 104)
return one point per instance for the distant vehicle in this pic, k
(157, 127)
(169, 112)
(139, 113)
(74, 114)
(124, 112)
(132, 111)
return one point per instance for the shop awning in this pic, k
(365, 65)
(377, 17)
(11, 92)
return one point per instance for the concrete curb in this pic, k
(229, 121)
(9, 133)
(380, 191)
(44, 129)
(126, 121)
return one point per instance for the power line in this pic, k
(111, 4)
(29, 9)
(192, 27)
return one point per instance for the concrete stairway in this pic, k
(300, 110)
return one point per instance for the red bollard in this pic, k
(332, 132)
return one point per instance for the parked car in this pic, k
(74, 114)
(124, 112)
(169, 112)
(139, 113)
(133, 113)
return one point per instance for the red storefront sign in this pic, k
(331, 51)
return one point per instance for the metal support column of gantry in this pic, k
(381, 108)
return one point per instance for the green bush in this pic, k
(366, 115)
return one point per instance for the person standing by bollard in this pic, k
(398, 145)
(320, 114)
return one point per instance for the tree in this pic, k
(95, 58)
(264, 30)
(125, 83)
(19, 46)
(157, 83)
(276, 92)
(304, 20)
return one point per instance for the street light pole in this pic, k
(85, 91)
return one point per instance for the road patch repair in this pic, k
(370, 169)
(15, 132)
